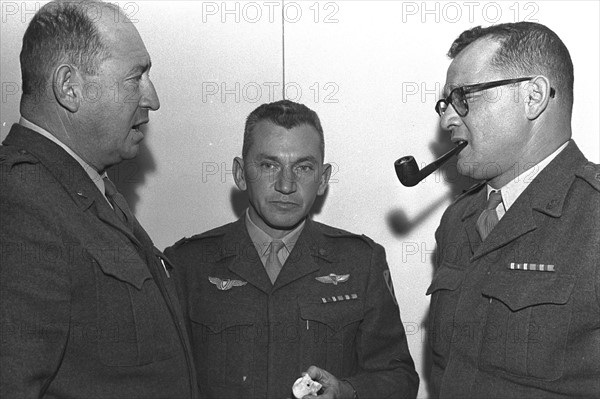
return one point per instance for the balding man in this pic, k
(88, 308)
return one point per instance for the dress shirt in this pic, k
(262, 241)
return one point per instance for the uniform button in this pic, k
(322, 252)
(551, 204)
(597, 176)
(22, 152)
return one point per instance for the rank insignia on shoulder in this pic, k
(339, 298)
(333, 278)
(227, 284)
(536, 267)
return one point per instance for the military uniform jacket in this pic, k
(330, 307)
(518, 316)
(87, 309)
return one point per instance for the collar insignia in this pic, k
(333, 278)
(227, 284)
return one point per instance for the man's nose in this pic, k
(150, 97)
(450, 118)
(285, 181)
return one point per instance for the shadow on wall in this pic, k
(130, 174)
(400, 225)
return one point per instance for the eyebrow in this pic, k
(140, 68)
(308, 158)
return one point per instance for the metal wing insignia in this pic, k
(333, 278)
(227, 284)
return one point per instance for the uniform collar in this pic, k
(262, 240)
(513, 189)
(97, 179)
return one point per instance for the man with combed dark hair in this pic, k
(275, 295)
(88, 308)
(514, 298)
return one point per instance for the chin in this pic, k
(130, 152)
(286, 222)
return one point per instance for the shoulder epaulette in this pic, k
(335, 232)
(219, 231)
(10, 156)
(591, 174)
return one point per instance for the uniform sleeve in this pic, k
(34, 290)
(386, 367)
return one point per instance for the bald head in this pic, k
(66, 32)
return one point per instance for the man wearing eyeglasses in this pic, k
(515, 296)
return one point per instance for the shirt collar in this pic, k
(262, 240)
(514, 188)
(97, 179)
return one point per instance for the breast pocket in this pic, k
(329, 337)
(224, 339)
(445, 292)
(527, 324)
(134, 326)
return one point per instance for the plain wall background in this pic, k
(372, 71)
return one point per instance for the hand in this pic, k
(332, 387)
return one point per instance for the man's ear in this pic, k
(325, 175)
(238, 173)
(67, 87)
(537, 97)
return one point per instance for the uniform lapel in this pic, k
(545, 195)
(515, 223)
(244, 260)
(301, 261)
(70, 174)
(469, 219)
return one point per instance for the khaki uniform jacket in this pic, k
(87, 310)
(518, 316)
(330, 307)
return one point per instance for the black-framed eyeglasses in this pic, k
(458, 96)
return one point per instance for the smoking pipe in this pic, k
(408, 171)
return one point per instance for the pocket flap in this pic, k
(122, 263)
(521, 289)
(218, 316)
(334, 314)
(446, 278)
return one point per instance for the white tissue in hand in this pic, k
(305, 386)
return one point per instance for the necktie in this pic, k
(489, 218)
(273, 265)
(119, 203)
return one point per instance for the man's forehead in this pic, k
(298, 142)
(120, 35)
(265, 127)
(471, 65)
